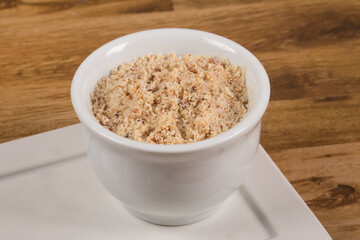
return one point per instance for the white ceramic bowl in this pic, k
(170, 184)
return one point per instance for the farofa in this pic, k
(171, 100)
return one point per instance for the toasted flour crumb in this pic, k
(171, 100)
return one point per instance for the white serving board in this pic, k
(49, 191)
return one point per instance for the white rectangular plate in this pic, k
(49, 191)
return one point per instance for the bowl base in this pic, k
(174, 221)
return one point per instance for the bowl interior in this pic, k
(166, 41)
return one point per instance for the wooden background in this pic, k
(311, 50)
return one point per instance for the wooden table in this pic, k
(311, 50)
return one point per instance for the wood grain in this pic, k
(327, 177)
(26, 8)
(310, 49)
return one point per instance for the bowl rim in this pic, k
(251, 120)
